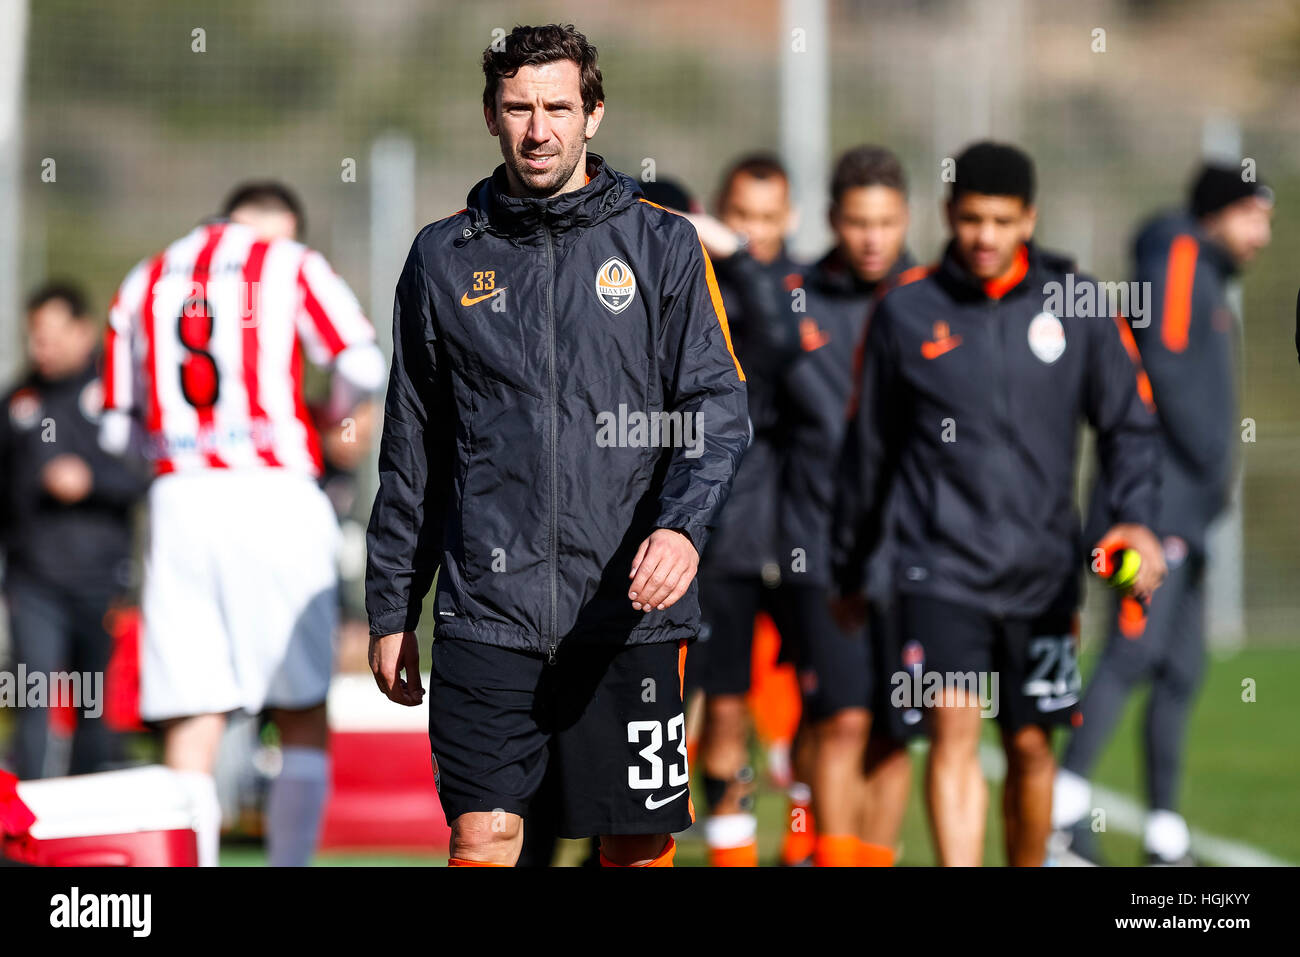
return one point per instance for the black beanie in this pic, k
(1218, 186)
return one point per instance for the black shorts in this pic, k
(1026, 670)
(834, 668)
(607, 720)
(721, 660)
(893, 664)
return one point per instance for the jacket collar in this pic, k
(834, 276)
(1030, 269)
(492, 209)
(71, 381)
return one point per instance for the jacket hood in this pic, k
(492, 208)
(1155, 236)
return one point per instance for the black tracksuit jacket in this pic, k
(816, 389)
(969, 403)
(1187, 342)
(520, 327)
(86, 543)
(765, 333)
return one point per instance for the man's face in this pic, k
(758, 209)
(58, 344)
(989, 230)
(539, 123)
(268, 223)
(1243, 228)
(870, 226)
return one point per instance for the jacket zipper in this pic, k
(555, 508)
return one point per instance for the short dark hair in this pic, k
(867, 166)
(994, 169)
(757, 165)
(60, 290)
(531, 46)
(268, 194)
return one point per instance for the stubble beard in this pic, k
(548, 182)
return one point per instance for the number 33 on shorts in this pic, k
(648, 773)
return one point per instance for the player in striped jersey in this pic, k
(204, 362)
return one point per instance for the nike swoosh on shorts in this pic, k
(651, 804)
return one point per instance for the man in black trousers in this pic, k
(1186, 343)
(65, 527)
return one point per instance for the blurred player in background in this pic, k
(740, 569)
(1186, 258)
(969, 401)
(240, 605)
(838, 673)
(65, 523)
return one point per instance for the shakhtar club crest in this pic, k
(615, 285)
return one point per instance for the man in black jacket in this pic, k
(65, 520)
(972, 386)
(1185, 339)
(564, 414)
(739, 570)
(840, 672)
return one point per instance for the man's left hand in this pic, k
(663, 569)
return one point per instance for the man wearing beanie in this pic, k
(1185, 259)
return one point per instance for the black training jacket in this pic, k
(815, 395)
(1187, 340)
(766, 337)
(86, 543)
(530, 338)
(968, 409)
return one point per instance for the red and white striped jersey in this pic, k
(203, 345)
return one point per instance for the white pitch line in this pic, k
(1128, 816)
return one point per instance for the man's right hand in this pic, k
(67, 478)
(390, 655)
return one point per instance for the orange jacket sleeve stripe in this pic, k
(714, 293)
(1179, 278)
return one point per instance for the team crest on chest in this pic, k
(1046, 337)
(615, 285)
(24, 408)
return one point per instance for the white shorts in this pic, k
(240, 593)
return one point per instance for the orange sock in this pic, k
(465, 862)
(838, 850)
(732, 839)
(875, 855)
(665, 858)
(743, 855)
